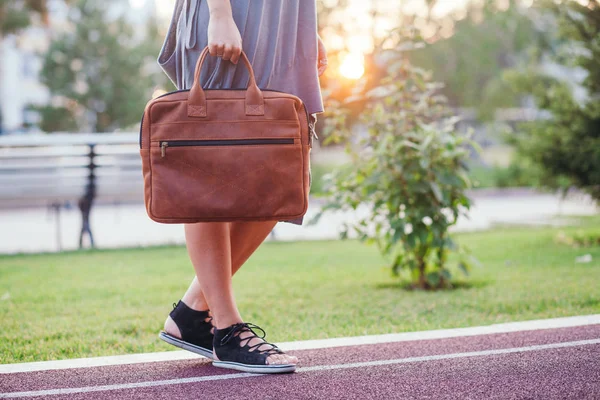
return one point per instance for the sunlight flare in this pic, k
(353, 65)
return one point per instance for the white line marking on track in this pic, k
(552, 323)
(533, 325)
(135, 385)
(453, 355)
(99, 361)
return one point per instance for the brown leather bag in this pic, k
(225, 154)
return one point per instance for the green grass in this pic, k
(83, 304)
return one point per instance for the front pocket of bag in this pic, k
(244, 178)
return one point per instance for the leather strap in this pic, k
(197, 107)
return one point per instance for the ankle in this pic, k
(195, 304)
(223, 322)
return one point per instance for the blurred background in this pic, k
(521, 76)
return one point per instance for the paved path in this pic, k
(552, 363)
(128, 225)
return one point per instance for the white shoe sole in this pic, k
(259, 369)
(185, 345)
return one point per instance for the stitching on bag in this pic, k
(255, 109)
(197, 110)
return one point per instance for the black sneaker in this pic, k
(233, 354)
(195, 327)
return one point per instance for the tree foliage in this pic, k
(477, 47)
(16, 14)
(566, 146)
(410, 169)
(99, 74)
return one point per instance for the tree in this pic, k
(409, 169)
(16, 15)
(565, 148)
(467, 49)
(99, 75)
(469, 52)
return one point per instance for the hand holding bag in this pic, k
(225, 154)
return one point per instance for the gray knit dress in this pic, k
(278, 36)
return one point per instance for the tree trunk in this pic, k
(422, 280)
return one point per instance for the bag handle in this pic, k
(255, 104)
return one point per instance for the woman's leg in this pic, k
(210, 248)
(245, 238)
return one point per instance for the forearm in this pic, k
(219, 8)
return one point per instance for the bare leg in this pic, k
(245, 238)
(210, 248)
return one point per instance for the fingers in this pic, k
(235, 55)
(227, 51)
(322, 65)
(215, 49)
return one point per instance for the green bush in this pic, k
(410, 169)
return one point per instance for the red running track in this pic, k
(543, 364)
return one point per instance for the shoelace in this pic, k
(248, 326)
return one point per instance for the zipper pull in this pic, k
(163, 148)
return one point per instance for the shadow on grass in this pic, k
(409, 286)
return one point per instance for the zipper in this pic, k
(219, 142)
